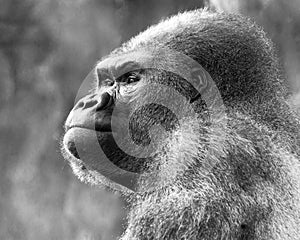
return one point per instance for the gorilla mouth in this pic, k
(110, 148)
(72, 149)
(81, 146)
(70, 144)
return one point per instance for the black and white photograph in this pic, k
(150, 120)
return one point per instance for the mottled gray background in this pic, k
(46, 49)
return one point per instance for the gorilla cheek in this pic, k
(144, 118)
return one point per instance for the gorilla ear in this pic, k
(200, 78)
(200, 82)
(195, 97)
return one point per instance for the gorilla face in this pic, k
(197, 159)
(90, 136)
(125, 124)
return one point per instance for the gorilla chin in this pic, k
(84, 157)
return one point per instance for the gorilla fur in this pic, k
(253, 190)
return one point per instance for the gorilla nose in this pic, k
(106, 100)
(86, 102)
(90, 110)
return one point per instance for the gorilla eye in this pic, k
(128, 78)
(132, 79)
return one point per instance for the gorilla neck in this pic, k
(227, 199)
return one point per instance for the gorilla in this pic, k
(190, 121)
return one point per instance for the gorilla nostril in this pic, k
(80, 104)
(90, 103)
(85, 104)
(105, 101)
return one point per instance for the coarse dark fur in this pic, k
(252, 192)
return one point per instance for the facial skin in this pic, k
(189, 169)
(89, 124)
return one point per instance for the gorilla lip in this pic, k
(98, 128)
(70, 144)
(72, 148)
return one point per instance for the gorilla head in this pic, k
(189, 120)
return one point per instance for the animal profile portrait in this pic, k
(189, 120)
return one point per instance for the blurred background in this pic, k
(47, 47)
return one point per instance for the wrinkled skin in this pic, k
(238, 180)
